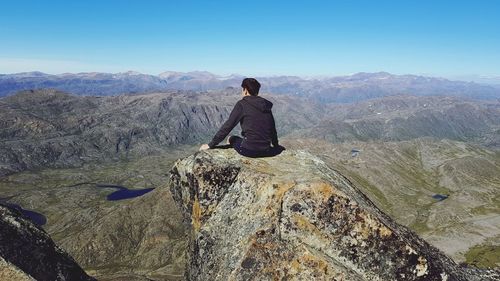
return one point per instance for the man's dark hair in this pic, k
(252, 85)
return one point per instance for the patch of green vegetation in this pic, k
(145, 172)
(417, 176)
(410, 174)
(420, 224)
(492, 207)
(410, 152)
(420, 227)
(484, 256)
(371, 190)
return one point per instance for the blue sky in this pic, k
(253, 38)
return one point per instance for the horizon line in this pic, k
(461, 78)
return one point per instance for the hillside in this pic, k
(408, 117)
(48, 128)
(53, 129)
(57, 148)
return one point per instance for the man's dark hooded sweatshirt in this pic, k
(257, 124)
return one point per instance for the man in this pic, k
(257, 125)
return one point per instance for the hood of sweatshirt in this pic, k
(258, 102)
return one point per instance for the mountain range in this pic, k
(56, 129)
(400, 145)
(48, 128)
(342, 89)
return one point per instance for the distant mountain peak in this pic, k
(131, 72)
(28, 74)
(355, 87)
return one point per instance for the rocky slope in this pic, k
(49, 128)
(293, 217)
(408, 117)
(28, 253)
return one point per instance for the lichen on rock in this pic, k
(291, 217)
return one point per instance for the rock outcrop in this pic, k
(28, 253)
(291, 217)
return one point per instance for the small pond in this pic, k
(120, 194)
(439, 197)
(123, 192)
(33, 216)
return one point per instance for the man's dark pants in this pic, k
(235, 142)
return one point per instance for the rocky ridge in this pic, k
(49, 128)
(293, 217)
(53, 129)
(28, 253)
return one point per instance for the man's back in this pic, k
(257, 124)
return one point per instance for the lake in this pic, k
(123, 192)
(33, 216)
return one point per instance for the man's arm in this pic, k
(234, 119)
(274, 137)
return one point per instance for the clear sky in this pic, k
(253, 38)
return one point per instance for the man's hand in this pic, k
(204, 147)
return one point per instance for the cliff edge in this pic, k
(291, 217)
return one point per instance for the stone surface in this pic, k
(28, 253)
(293, 217)
(9, 271)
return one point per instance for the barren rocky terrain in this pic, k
(58, 150)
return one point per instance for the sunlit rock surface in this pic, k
(291, 217)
